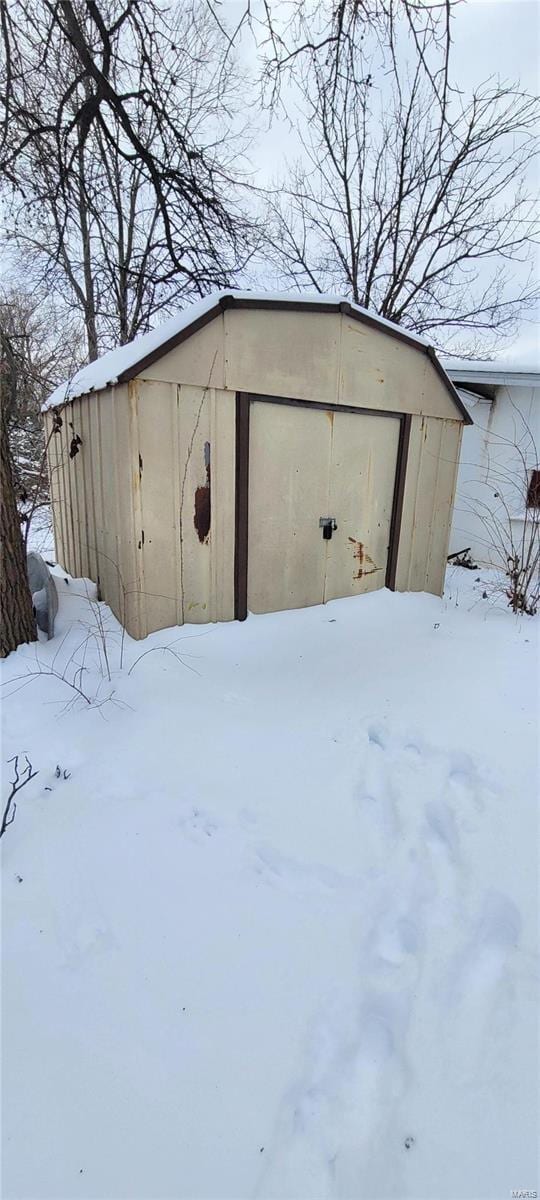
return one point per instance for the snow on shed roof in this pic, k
(124, 362)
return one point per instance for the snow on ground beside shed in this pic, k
(275, 934)
(41, 535)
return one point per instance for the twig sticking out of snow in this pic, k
(21, 779)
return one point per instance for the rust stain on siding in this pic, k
(137, 475)
(330, 415)
(203, 511)
(366, 566)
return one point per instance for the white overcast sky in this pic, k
(502, 37)
(498, 38)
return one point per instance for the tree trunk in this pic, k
(89, 290)
(17, 621)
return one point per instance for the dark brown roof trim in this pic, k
(324, 406)
(324, 306)
(450, 386)
(392, 330)
(172, 342)
(299, 305)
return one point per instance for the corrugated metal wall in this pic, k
(318, 356)
(147, 506)
(130, 507)
(185, 438)
(427, 504)
(93, 497)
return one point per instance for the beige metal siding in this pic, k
(283, 354)
(155, 434)
(57, 505)
(107, 471)
(185, 437)
(378, 371)
(124, 506)
(99, 467)
(427, 504)
(65, 488)
(199, 360)
(78, 495)
(289, 464)
(306, 464)
(308, 356)
(126, 578)
(86, 472)
(92, 497)
(130, 508)
(441, 521)
(222, 534)
(361, 493)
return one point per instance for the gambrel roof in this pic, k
(125, 362)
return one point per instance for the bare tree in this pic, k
(118, 149)
(291, 32)
(410, 208)
(48, 349)
(17, 623)
(104, 143)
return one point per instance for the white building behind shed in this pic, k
(498, 486)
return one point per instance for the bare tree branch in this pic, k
(419, 212)
(119, 154)
(21, 778)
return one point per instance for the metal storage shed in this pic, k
(255, 453)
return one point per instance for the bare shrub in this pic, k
(501, 501)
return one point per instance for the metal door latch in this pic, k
(328, 525)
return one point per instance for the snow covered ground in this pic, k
(270, 930)
(41, 536)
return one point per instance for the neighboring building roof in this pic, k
(482, 395)
(125, 362)
(497, 373)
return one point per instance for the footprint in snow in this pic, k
(88, 942)
(495, 939)
(441, 826)
(279, 870)
(340, 1109)
(410, 791)
(479, 981)
(377, 737)
(198, 825)
(397, 939)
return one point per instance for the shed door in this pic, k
(289, 460)
(360, 496)
(305, 464)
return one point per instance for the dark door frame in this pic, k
(243, 405)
